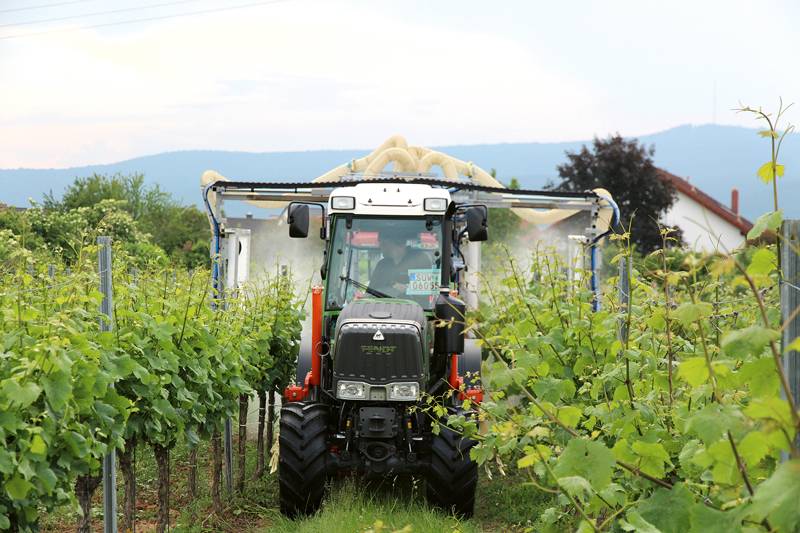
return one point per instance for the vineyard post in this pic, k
(790, 300)
(109, 461)
(232, 274)
(624, 297)
(228, 453)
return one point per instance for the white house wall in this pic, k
(702, 228)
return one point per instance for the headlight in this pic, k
(435, 204)
(404, 391)
(343, 202)
(352, 390)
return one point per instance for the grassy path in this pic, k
(504, 504)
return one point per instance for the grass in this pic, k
(511, 501)
(389, 505)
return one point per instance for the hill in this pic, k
(717, 158)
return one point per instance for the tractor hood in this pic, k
(379, 342)
(383, 310)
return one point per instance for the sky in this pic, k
(86, 82)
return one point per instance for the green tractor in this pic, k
(374, 351)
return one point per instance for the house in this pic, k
(706, 223)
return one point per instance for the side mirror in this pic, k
(298, 221)
(477, 223)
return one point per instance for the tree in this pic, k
(181, 231)
(627, 171)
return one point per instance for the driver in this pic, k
(391, 272)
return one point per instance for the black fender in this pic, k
(304, 359)
(469, 364)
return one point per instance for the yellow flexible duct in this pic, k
(359, 165)
(442, 160)
(387, 156)
(418, 151)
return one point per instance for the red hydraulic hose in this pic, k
(316, 334)
(454, 370)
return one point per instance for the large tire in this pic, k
(302, 457)
(452, 476)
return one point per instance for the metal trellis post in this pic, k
(624, 297)
(106, 324)
(790, 300)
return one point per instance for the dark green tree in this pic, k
(625, 170)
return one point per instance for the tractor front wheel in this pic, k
(302, 457)
(452, 476)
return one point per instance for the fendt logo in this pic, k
(378, 349)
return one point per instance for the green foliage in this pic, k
(171, 369)
(654, 429)
(58, 415)
(767, 221)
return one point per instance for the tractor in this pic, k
(375, 350)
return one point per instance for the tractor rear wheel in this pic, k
(452, 476)
(302, 454)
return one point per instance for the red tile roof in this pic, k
(725, 212)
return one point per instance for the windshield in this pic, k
(385, 258)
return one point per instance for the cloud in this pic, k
(291, 78)
(341, 75)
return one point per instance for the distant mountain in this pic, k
(717, 158)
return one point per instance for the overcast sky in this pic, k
(310, 75)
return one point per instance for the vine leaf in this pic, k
(688, 313)
(760, 377)
(777, 498)
(712, 422)
(591, 460)
(550, 389)
(793, 346)
(636, 523)
(767, 221)
(763, 262)
(723, 266)
(651, 457)
(768, 171)
(22, 396)
(502, 376)
(774, 413)
(769, 133)
(6, 462)
(748, 342)
(18, 488)
(576, 485)
(707, 520)
(57, 387)
(669, 510)
(569, 416)
(694, 371)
